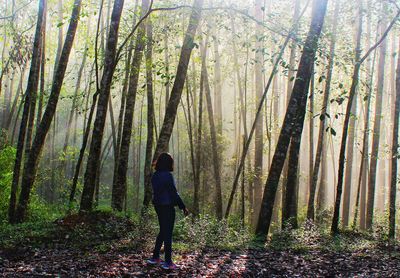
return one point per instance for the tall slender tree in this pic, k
(350, 142)
(356, 72)
(377, 127)
(296, 107)
(31, 90)
(150, 112)
(395, 154)
(213, 133)
(31, 163)
(323, 115)
(104, 94)
(121, 166)
(258, 136)
(176, 93)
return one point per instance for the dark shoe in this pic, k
(169, 266)
(153, 261)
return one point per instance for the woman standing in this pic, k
(165, 198)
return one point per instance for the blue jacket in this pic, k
(164, 190)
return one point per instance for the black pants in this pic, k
(166, 219)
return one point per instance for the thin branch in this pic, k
(384, 35)
(16, 11)
(260, 106)
(151, 10)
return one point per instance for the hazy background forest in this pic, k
(274, 111)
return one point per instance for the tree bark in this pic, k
(364, 165)
(323, 116)
(119, 183)
(292, 59)
(350, 151)
(258, 136)
(376, 130)
(150, 113)
(16, 98)
(217, 82)
(60, 26)
(213, 133)
(339, 188)
(258, 113)
(196, 179)
(289, 209)
(104, 95)
(42, 71)
(395, 155)
(296, 107)
(176, 93)
(353, 91)
(30, 168)
(31, 90)
(74, 105)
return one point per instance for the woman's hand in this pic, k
(185, 212)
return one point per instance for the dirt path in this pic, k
(247, 263)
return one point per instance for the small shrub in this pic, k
(207, 232)
(7, 156)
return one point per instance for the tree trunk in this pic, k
(31, 91)
(217, 82)
(166, 58)
(125, 89)
(292, 59)
(88, 118)
(258, 136)
(339, 188)
(376, 130)
(30, 168)
(323, 116)
(74, 105)
(364, 165)
(395, 155)
(16, 98)
(189, 127)
(350, 151)
(259, 109)
(196, 179)
(150, 113)
(60, 27)
(213, 133)
(121, 167)
(296, 107)
(354, 85)
(289, 209)
(85, 140)
(311, 136)
(104, 95)
(42, 71)
(176, 93)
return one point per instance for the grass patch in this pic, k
(310, 237)
(97, 230)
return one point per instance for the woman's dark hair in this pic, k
(165, 162)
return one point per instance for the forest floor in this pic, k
(109, 246)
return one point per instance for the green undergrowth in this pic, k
(84, 231)
(310, 237)
(105, 231)
(208, 232)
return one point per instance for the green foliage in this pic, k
(312, 237)
(38, 210)
(29, 233)
(7, 156)
(207, 232)
(96, 230)
(381, 226)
